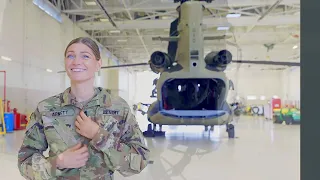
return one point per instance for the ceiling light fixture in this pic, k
(48, 70)
(233, 15)
(295, 47)
(223, 28)
(90, 3)
(6, 58)
(166, 17)
(104, 20)
(114, 31)
(122, 40)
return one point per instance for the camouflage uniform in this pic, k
(52, 125)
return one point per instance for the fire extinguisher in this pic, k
(8, 106)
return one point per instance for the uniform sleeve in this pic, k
(31, 162)
(125, 150)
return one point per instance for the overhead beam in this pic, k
(209, 22)
(265, 32)
(154, 5)
(264, 14)
(207, 44)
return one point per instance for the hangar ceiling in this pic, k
(263, 29)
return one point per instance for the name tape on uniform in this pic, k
(65, 112)
(110, 112)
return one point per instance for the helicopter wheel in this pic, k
(160, 132)
(211, 128)
(151, 131)
(230, 130)
(206, 128)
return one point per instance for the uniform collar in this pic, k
(101, 98)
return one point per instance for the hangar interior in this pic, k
(34, 34)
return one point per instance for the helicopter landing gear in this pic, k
(151, 131)
(230, 130)
(206, 128)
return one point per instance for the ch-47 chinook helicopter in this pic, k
(192, 88)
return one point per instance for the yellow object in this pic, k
(28, 118)
(2, 123)
(276, 110)
(284, 110)
(139, 106)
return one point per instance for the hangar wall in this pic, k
(291, 84)
(144, 81)
(261, 84)
(35, 42)
(127, 85)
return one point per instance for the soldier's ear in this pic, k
(99, 64)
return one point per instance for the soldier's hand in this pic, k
(85, 126)
(74, 157)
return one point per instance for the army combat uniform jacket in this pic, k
(52, 125)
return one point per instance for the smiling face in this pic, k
(81, 62)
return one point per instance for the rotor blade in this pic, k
(118, 66)
(176, 38)
(125, 65)
(216, 37)
(172, 38)
(279, 63)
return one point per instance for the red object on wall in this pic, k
(16, 119)
(8, 106)
(276, 103)
(24, 121)
(20, 120)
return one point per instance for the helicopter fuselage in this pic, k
(191, 99)
(192, 91)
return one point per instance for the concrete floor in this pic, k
(262, 151)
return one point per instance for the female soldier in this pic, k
(90, 133)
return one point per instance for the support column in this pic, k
(110, 80)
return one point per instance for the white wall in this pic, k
(144, 87)
(34, 41)
(127, 85)
(123, 86)
(291, 85)
(132, 88)
(255, 82)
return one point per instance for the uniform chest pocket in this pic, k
(58, 134)
(50, 132)
(55, 142)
